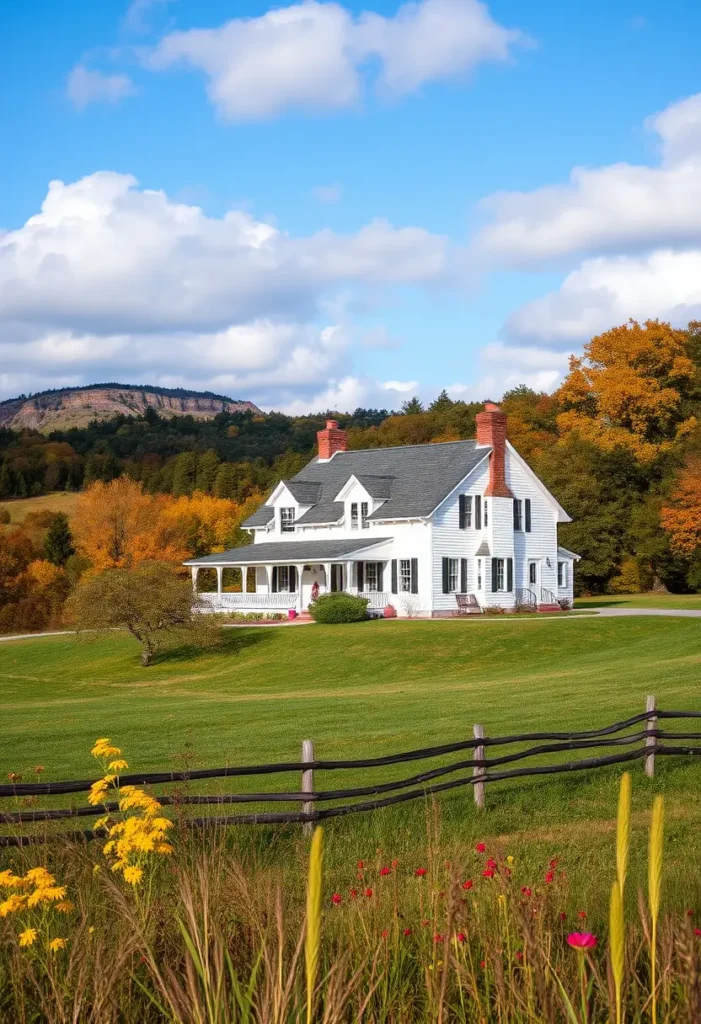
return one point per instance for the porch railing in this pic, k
(251, 600)
(376, 598)
(547, 596)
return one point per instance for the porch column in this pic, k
(327, 572)
(349, 576)
(269, 577)
(244, 578)
(300, 571)
(220, 570)
(194, 570)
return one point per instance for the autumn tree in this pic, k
(151, 601)
(628, 389)
(681, 517)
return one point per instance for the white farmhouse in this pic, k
(424, 528)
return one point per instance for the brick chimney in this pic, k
(491, 430)
(331, 440)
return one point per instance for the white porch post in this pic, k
(327, 573)
(244, 578)
(269, 577)
(300, 571)
(220, 571)
(194, 570)
(349, 576)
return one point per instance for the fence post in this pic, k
(650, 741)
(478, 731)
(307, 782)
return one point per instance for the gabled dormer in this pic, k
(360, 496)
(289, 501)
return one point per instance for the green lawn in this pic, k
(371, 688)
(681, 601)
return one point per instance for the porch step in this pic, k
(549, 608)
(303, 617)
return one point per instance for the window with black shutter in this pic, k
(414, 575)
(478, 512)
(465, 511)
(518, 514)
(463, 575)
(446, 575)
(495, 579)
(274, 579)
(361, 581)
(509, 574)
(394, 576)
(528, 515)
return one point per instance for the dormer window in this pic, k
(354, 515)
(365, 525)
(361, 520)
(287, 520)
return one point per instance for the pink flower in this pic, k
(384, 871)
(519, 955)
(337, 899)
(438, 938)
(361, 865)
(385, 933)
(407, 931)
(353, 893)
(368, 893)
(488, 873)
(582, 914)
(581, 940)
(467, 884)
(697, 932)
(549, 877)
(480, 847)
(553, 862)
(491, 863)
(461, 936)
(420, 872)
(526, 891)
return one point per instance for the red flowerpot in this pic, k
(291, 614)
(390, 611)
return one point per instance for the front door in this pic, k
(533, 580)
(312, 574)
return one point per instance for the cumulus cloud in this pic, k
(617, 208)
(86, 86)
(111, 281)
(313, 55)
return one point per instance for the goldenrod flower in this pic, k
(10, 881)
(103, 748)
(65, 907)
(39, 876)
(11, 904)
(57, 944)
(46, 894)
(27, 937)
(133, 875)
(117, 766)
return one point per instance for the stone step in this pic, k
(549, 608)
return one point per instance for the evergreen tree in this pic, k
(58, 544)
(207, 468)
(441, 404)
(412, 407)
(185, 474)
(225, 482)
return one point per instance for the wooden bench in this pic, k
(468, 604)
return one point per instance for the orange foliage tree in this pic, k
(628, 388)
(681, 518)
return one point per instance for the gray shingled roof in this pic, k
(261, 516)
(306, 492)
(289, 552)
(377, 486)
(417, 477)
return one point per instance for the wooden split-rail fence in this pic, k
(638, 738)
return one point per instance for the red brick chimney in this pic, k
(491, 430)
(331, 440)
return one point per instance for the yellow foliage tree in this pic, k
(681, 518)
(627, 388)
(203, 523)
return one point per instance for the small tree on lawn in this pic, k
(58, 543)
(151, 601)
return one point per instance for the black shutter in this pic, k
(361, 582)
(293, 579)
(462, 511)
(495, 582)
(463, 575)
(446, 578)
(528, 515)
(517, 525)
(478, 512)
(334, 579)
(509, 574)
(414, 575)
(274, 579)
(380, 576)
(394, 575)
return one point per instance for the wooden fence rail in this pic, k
(479, 770)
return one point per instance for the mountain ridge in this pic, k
(63, 408)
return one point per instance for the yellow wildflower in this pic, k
(46, 894)
(57, 944)
(101, 822)
(509, 860)
(91, 929)
(27, 937)
(103, 748)
(11, 904)
(10, 881)
(95, 868)
(39, 876)
(99, 789)
(117, 766)
(133, 875)
(65, 907)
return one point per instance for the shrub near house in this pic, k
(338, 608)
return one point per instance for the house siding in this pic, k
(449, 541)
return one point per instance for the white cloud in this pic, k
(312, 55)
(617, 208)
(327, 195)
(138, 13)
(85, 86)
(109, 281)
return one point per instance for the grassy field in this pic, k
(58, 501)
(369, 688)
(680, 601)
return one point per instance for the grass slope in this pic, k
(680, 601)
(57, 501)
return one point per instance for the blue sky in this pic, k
(331, 204)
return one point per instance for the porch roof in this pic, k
(290, 552)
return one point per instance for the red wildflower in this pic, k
(461, 936)
(549, 877)
(353, 893)
(337, 898)
(361, 865)
(481, 847)
(581, 940)
(491, 863)
(526, 891)
(483, 964)
(488, 873)
(425, 924)
(582, 914)
(563, 915)
(368, 893)
(519, 955)
(467, 884)
(407, 931)
(697, 931)
(385, 933)
(553, 862)
(438, 938)
(394, 863)
(689, 913)
(385, 871)
(420, 872)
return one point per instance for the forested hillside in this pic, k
(619, 444)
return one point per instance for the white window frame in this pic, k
(371, 578)
(562, 575)
(283, 579)
(501, 575)
(532, 570)
(287, 519)
(453, 575)
(404, 576)
(354, 524)
(364, 513)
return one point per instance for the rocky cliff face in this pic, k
(61, 410)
